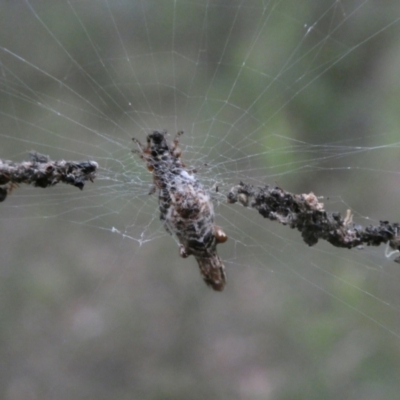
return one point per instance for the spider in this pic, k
(186, 209)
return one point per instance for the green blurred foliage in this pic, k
(302, 94)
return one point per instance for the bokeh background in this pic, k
(95, 301)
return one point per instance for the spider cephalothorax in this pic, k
(185, 206)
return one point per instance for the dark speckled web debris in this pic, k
(306, 213)
(42, 172)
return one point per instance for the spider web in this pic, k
(97, 302)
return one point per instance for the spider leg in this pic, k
(183, 252)
(142, 149)
(176, 138)
(144, 152)
(152, 189)
(175, 150)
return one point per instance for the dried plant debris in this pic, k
(185, 205)
(42, 172)
(306, 213)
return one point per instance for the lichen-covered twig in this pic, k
(306, 213)
(40, 171)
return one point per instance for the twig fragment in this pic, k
(306, 213)
(40, 171)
